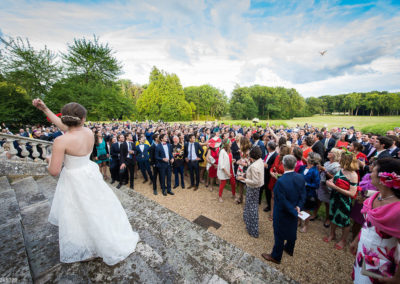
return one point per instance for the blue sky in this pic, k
(224, 43)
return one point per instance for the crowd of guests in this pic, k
(354, 175)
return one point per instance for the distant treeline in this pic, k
(280, 103)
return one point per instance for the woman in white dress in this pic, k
(91, 220)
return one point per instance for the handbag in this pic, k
(102, 157)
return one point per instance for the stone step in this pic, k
(47, 185)
(9, 209)
(27, 192)
(4, 184)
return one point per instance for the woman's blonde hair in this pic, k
(337, 153)
(348, 161)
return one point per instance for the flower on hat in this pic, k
(391, 180)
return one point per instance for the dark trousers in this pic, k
(177, 171)
(130, 165)
(114, 169)
(268, 194)
(165, 173)
(144, 167)
(155, 174)
(194, 169)
(280, 245)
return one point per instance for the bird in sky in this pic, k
(322, 52)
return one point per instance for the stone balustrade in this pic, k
(8, 150)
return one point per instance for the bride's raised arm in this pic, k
(39, 104)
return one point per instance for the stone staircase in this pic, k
(172, 249)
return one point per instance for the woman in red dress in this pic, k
(212, 159)
(276, 171)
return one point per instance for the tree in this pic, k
(242, 105)
(35, 70)
(16, 106)
(163, 98)
(91, 60)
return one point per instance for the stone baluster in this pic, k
(12, 152)
(35, 152)
(24, 152)
(44, 150)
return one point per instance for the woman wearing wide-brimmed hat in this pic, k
(212, 159)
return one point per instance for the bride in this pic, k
(91, 220)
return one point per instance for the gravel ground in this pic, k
(314, 261)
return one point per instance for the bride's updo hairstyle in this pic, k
(72, 114)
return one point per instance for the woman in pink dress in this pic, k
(378, 247)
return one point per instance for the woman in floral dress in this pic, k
(377, 245)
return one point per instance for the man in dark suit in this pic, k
(259, 143)
(328, 143)
(153, 162)
(382, 144)
(289, 198)
(350, 137)
(268, 162)
(143, 158)
(163, 155)
(394, 149)
(193, 154)
(318, 147)
(115, 166)
(127, 157)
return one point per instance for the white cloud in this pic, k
(225, 43)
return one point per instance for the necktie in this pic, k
(190, 151)
(326, 143)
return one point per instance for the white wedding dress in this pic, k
(91, 220)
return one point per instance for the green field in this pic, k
(376, 124)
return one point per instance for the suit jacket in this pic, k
(152, 153)
(143, 156)
(331, 144)
(384, 154)
(262, 147)
(350, 140)
(197, 149)
(312, 177)
(160, 155)
(270, 162)
(115, 151)
(124, 151)
(289, 192)
(320, 149)
(394, 152)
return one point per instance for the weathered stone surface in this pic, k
(47, 185)
(27, 192)
(66, 273)
(217, 280)
(13, 259)
(41, 238)
(4, 184)
(9, 209)
(17, 168)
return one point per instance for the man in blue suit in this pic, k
(289, 197)
(143, 158)
(193, 155)
(164, 160)
(259, 143)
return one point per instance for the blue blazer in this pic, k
(289, 192)
(160, 155)
(143, 156)
(262, 147)
(312, 177)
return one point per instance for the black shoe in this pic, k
(190, 186)
(164, 194)
(155, 192)
(183, 187)
(267, 209)
(195, 188)
(171, 193)
(175, 186)
(145, 181)
(119, 185)
(131, 186)
(112, 181)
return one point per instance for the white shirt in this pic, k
(269, 156)
(141, 146)
(192, 152)
(166, 150)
